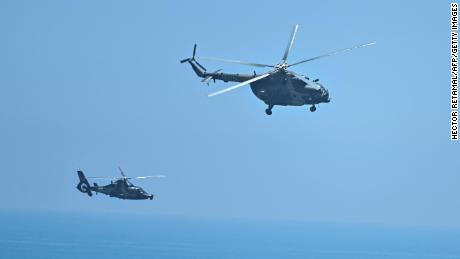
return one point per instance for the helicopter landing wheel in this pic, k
(313, 108)
(268, 111)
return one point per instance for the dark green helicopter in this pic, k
(277, 87)
(120, 188)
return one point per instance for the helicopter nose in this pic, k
(325, 95)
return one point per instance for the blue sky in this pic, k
(96, 84)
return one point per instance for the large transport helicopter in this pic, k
(276, 87)
(120, 187)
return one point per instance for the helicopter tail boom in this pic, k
(83, 185)
(197, 67)
(217, 75)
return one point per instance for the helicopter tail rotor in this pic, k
(197, 67)
(192, 58)
(83, 185)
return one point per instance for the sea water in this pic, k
(29, 234)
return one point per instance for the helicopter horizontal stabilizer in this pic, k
(210, 76)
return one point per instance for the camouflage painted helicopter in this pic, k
(120, 188)
(277, 87)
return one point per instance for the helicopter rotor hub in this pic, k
(281, 66)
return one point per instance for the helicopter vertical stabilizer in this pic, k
(83, 185)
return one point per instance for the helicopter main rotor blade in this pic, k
(237, 62)
(240, 84)
(149, 176)
(138, 177)
(332, 53)
(122, 173)
(290, 43)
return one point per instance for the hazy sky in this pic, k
(95, 84)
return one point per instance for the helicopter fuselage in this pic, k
(122, 189)
(286, 89)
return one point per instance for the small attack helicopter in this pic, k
(120, 187)
(277, 87)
